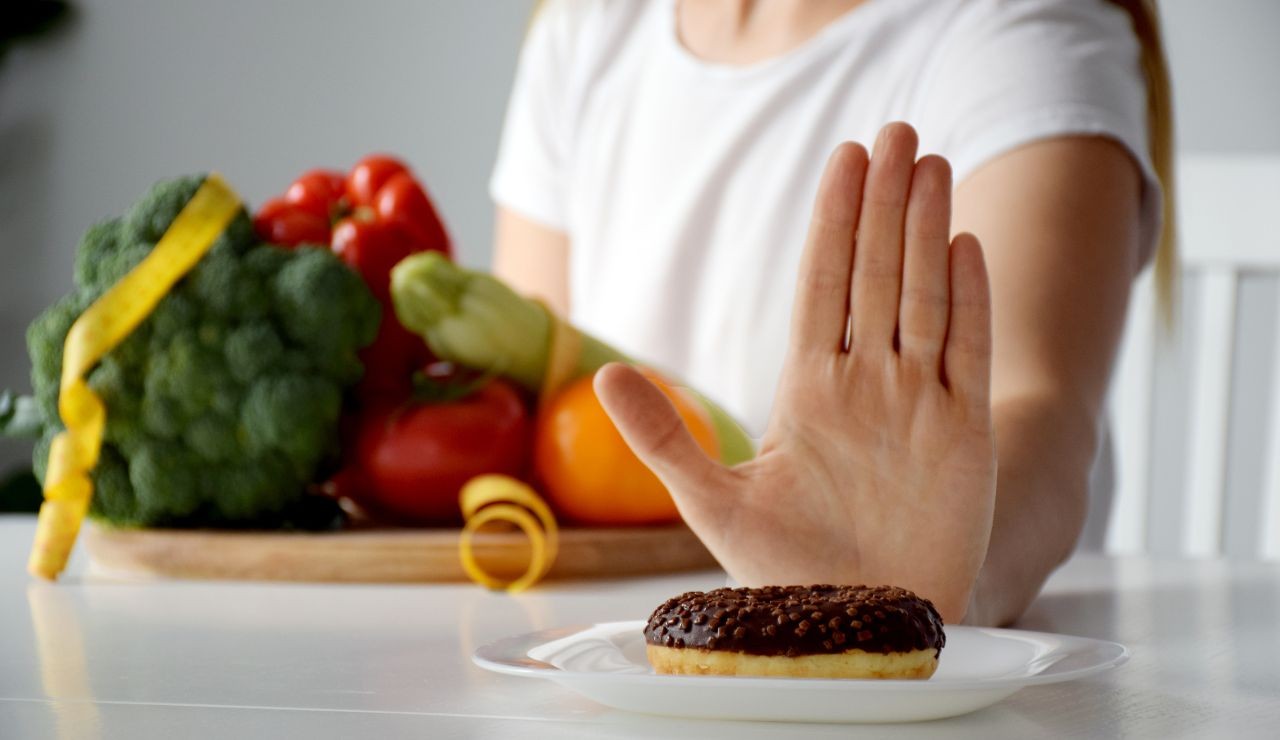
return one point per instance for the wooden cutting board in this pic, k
(385, 555)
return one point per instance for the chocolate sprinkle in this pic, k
(903, 621)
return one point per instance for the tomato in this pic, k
(318, 192)
(414, 458)
(369, 175)
(280, 222)
(588, 473)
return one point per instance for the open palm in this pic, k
(878, 465)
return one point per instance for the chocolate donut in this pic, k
(799, 631)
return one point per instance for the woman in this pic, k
(661, 166)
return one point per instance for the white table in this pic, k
(94, 657)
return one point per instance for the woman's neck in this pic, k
(747, 31)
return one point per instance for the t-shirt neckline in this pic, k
(806, 50)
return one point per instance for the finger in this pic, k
(922, 315)
(967, 357)
(655, 432)
(822, 293)
(877, 258)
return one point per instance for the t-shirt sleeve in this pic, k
(530, 174)
(1019, 72)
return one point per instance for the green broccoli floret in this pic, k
(337, 320)
(44, 343)
(99, 246)
(223, 404)
(253, 348)
(292, 414)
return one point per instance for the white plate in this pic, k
(978, 667)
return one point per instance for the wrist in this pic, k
(976, 611)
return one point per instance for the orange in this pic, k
(587, 471)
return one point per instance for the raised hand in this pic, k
(878, 465)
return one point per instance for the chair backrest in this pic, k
(1228, 209)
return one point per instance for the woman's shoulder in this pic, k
(1003, 73)
(1035, 26)
(1010, 53)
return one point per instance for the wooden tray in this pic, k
(385, 555)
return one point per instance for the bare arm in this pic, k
(1059, 226)
(1058, 221)
(1026, 368)
(532, 258)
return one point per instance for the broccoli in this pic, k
(223, 404)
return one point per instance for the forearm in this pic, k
(1059, 222)
(1045, 449)
(533, 259)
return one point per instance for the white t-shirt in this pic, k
(685, 186)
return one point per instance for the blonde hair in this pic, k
(1155, 70)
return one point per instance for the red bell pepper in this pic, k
(372, 217)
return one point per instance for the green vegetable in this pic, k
(473, 319)
(223, 404)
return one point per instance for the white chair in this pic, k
(1228, 210)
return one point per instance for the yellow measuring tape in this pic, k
(67, 486)
(498, 498)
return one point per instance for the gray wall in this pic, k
(139, 89)
(1226, 71)
(135, 90)
(1225, 64)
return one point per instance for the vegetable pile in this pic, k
(416, 431)
(329, 345)
(223, 404)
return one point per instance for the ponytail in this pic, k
(1155, 70)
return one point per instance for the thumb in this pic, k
(657, 435)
